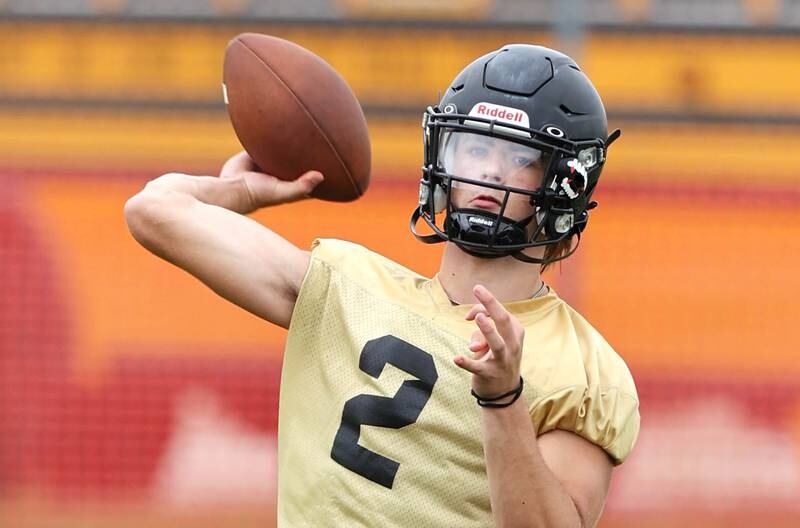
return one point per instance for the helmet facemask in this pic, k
(495, 188)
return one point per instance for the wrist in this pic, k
(506, 399)
(499, 400)
(493, 390)
(230, 193)
(243, 196)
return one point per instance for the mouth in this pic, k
(485, 201)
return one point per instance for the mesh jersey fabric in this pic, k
(371, 342)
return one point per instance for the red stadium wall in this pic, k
(131, 395)
(111, 357)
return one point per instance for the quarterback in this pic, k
(474, 398)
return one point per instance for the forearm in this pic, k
(174, 209)
(524, 492)
(230, 193)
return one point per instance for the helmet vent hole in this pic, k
(569, 112)
(457, 88)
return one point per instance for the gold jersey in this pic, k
(377, 426)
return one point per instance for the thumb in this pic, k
(299, 189)
(470, 365)
(310, 180)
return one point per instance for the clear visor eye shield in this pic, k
(495, 188)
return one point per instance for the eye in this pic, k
(521, 158)
(477, 151)
(521, 161)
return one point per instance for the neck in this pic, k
(507, 278)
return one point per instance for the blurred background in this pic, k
(132, 396)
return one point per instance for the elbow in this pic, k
(158, 197)
(147, 212)
(139, 215)
(135, 209)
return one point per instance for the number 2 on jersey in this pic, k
(399, 411)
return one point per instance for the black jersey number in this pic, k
(399, 411)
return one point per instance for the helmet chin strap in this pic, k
(477, 252)
(519, 255)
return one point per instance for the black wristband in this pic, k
(490, 402)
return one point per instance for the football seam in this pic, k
(309, 114)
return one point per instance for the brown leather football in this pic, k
(292, 113)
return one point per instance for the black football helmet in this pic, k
(513, 153)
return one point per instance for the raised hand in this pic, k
(496, 346)
(265, 190)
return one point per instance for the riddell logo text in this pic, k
(500, 112)
(480, 221)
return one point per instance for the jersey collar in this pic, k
(529, 308)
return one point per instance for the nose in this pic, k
(492, 170)
(491, 177)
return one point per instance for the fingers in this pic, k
(266, 188)
(495, 310)
(478, 345)
(499, 329)
(480, 352)
(496, 346)
(475, 310)
(493, 338)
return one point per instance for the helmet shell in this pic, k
(546, 84)
(534, 96)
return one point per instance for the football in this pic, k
(292, 113)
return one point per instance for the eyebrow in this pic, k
(493, 140)
(478, 138)
(530, 151)
(523, 148)
(516, 148)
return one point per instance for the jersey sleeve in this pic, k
(606, 416)
(331, 259)
(335, 253)
(347, 258)
(314, 293)
(328, 256)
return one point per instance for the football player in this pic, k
(473, 398)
